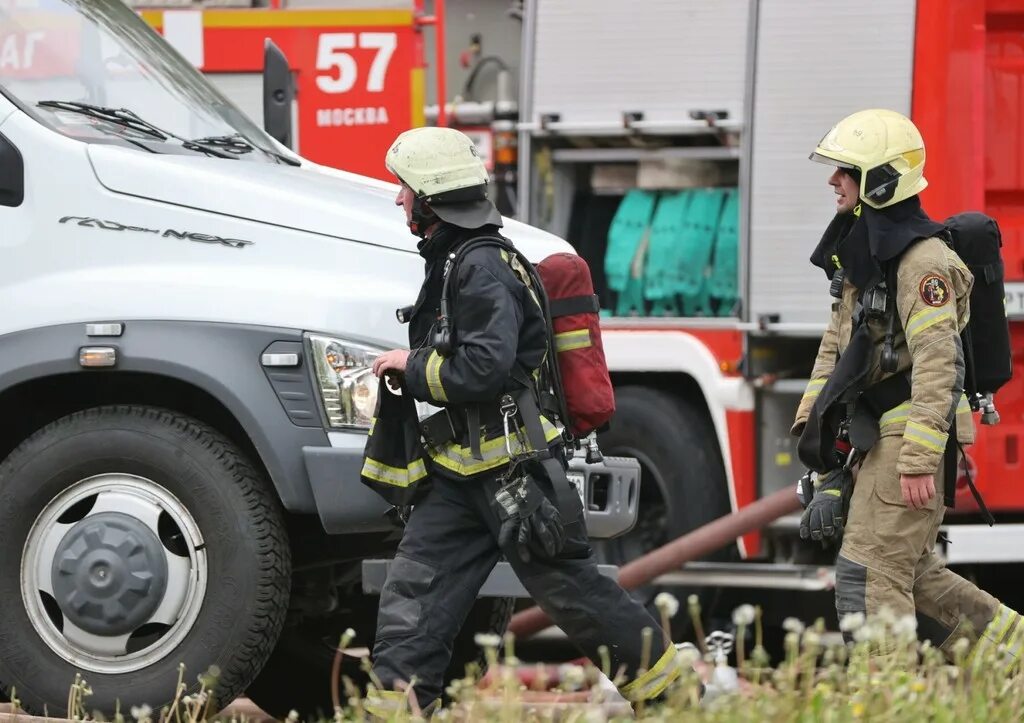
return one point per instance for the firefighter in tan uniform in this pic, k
(889, 381)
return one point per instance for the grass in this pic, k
(885, 674)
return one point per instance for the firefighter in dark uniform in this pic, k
(451, 540)
(906, 340)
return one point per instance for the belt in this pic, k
(463, 422)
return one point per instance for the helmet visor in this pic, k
(468, 214)
(819, 158)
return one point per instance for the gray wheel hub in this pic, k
(124, 596)
(109, 574)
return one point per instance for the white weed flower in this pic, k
(792, 640)
(792, 625)
(906, 626)
(487, 640)
(743, 615)
(667, 603)
(687, 654)
(852, 622)
(865, 633)
(692, 600)
(293, 715)
(961, 646)
(572, 676)
(141, 712)
(812, 638)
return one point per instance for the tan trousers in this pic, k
(887, 558)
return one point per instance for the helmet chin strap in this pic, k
(423, 218)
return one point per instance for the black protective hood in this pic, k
(446, 235)
(864, 243)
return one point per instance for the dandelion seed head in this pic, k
(743, 615)
(792, 625)
(667, 603)
(487, 640)
(906, 626)
(572, 676)
(852, 622)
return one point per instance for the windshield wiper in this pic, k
(129, 119)
(121, 116)
(235, 143)
(239, 144)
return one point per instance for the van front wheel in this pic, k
(136, 542)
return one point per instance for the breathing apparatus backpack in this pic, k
(988, 362)
(976, 239)
(573, 383)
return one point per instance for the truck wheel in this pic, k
(682, 484)
(298, 674)
(135, 540)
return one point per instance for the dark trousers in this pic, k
(449, 547)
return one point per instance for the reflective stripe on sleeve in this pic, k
(926, 437)
(927, 318)
(433, 371)
(814, 388)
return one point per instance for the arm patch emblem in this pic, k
(934, 290)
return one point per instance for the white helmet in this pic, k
(444, 169)
(887, 150)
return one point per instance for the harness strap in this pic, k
(565, 496)
(575, 305)
(473, 422)
(985, 514)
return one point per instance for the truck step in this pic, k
(502, 582)
(766, 575)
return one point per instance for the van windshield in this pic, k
(74, 56)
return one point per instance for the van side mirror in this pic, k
(12, 174)
(278, 93)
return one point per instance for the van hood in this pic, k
(310, 198)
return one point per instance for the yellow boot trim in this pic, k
(384, 704)
(993, 634)
(653, 683)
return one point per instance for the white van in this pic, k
(189, 313)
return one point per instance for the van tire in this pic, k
(671, 436)
(226, 523)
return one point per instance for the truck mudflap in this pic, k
(610, 490)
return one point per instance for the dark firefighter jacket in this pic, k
(496, 324)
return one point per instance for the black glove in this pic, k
(824, 517)
(529, 522)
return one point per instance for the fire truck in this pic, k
(691, 163)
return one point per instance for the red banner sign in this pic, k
(356, 76)
(45, 47)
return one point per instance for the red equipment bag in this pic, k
(575, 316)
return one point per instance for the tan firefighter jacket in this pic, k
(932, 294)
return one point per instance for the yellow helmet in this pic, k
(887, 150)
(438, 163)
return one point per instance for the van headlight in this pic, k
(348, 389)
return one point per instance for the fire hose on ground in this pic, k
(672, 555)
